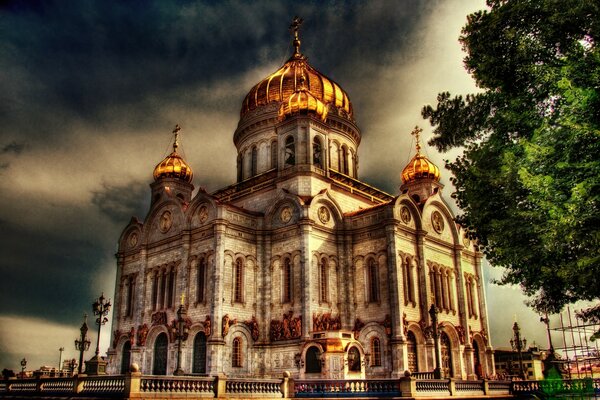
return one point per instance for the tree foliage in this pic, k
(528, 181)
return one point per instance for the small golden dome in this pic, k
(302, 101)
(173, 166)
(285, 82)
(419, 167)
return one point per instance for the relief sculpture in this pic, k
(289, 328)
(326, 322)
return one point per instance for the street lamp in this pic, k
(433, 313)
(518, 344)
(101, 309)
(23, 365)
(181, 333)
(83, 343)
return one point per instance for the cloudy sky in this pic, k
(91, 90)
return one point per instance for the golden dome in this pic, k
(173, 166)
(302, 101)
(419, 167)
(285, 82)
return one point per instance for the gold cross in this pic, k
(295, 27)
(176, 132)
(417, 134)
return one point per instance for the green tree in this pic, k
(528, 180)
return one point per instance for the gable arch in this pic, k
(440, 205)
(201, 199)
(283, 199)
(178, 222)
(324, 198)
(134, 226)
(414, 210)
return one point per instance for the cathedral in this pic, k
(299, 266)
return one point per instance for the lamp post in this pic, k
(518, 344)
(180, 334)
(83, 343)
(101, 309)
(433, 313)
(23, 365)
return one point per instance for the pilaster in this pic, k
(305, 268)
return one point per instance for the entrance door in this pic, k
(446, 350)
(126, 357)
(199, 365)
(160, 355)
(477, 360)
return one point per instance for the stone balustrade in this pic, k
(138, 386)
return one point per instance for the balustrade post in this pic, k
(220, 386)
(78, 383)
(486, 386)
(287, 385)
(408, 386)
(452, 386)
(133, 381)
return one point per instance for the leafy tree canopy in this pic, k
(528, 181)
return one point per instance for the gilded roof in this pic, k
(419, 167)
(302, 101)
(173, 165)
(283, 83)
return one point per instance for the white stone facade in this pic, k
(299, 267)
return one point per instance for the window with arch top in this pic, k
(236, 353)
(290, 151)
(375, 352)
(254, 166)
(238, 291)
(287, 280)
(274, 154)
(411, 349)
(373, 281)
(200, 281)
(318, 153)
(324, 290)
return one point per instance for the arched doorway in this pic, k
(354, 362)
(126, 357)
(199, 364)
(313, 360)
(411, 350)
(446, 351)
(477, 360)
(161, 345)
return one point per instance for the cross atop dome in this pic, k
(176, 132)
(417, 134)
(294, 28)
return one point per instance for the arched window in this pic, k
(344, 160)
(354, 363)
(287, 280)
(199, 361)
(130, 294)
(290, 151)
(373, 281)
(274, 154)
(159, 366)
(240, 168)
(411, 349)
(375, 352)
(155, 287)
(446, 351)
(313, 360)
(126, 357)
(409, 285)
(171, 292)
(239, 281)
(254, 167)
(477, 360)
(163, 289)
(317, 152)
(323, 280)
(236, 353)
(201, 272)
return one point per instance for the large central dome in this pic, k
(284, 82)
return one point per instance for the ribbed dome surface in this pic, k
(420, 168)
(173, 166)
(303, 101)
(283, 83)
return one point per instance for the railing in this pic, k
(557, 387)
(346, 388)
(138, 386)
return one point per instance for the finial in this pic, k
(176, 132)
(416, 133)
(294, 28)
(182, 299)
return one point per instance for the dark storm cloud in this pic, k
(122, 202)
(81, 59)
(13, 147)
